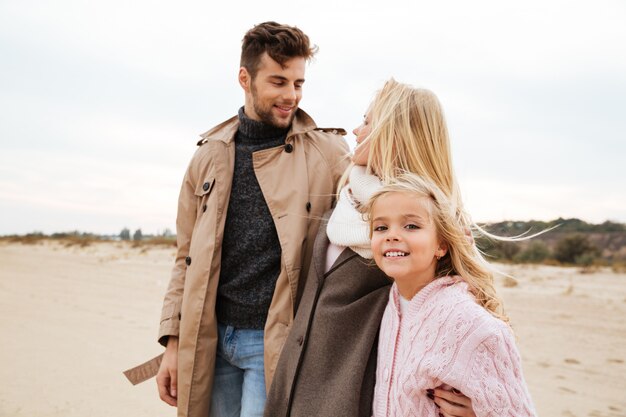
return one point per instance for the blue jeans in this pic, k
(239, 381)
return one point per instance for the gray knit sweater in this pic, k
(250, 249)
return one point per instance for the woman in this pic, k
(327, 366)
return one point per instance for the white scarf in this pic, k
(346, 226)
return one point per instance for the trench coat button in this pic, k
(188, 260)
(206, 186)
(179, 316)
(204, 208)
(300, 340)
(308, 206)
(289, 148)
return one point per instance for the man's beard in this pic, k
(266, 115)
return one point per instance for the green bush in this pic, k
(498, 249)
(536, 252)
(575, 248)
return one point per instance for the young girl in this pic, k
(443, 324)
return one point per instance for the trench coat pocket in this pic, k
(145, 371)
(202, 192)
(205, 187)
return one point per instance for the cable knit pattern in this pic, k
(346, 226)
(446, 338)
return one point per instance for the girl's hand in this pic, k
(452, 403)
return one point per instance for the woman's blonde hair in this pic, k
(462, 257)
(409, 134)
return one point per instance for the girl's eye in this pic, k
(412, 226)
(380, 228)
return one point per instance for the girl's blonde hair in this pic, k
(462, 257)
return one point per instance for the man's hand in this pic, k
(451, 403)
(168, 372)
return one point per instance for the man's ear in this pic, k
(244, 79)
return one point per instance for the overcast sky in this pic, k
(101, 102)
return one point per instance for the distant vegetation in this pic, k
(83, 239)
(573, 242)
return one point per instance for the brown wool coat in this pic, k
(327, 366)
(298, 182)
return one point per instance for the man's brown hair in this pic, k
(281, 42)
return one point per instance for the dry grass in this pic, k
(84, 240)
(619, 267)
(509, 282)
(155, 241)
(29, 239)
(569, 290)
(80, 241)
(65, 239)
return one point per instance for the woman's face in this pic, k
(361, 132)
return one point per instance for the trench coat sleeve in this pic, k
(185, 221)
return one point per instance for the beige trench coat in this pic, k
(298, 182)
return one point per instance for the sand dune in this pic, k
(73, 318)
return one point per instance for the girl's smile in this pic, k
(395, 254)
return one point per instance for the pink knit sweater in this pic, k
(447, 338)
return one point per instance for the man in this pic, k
(248, 213)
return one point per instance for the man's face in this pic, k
(272, 97)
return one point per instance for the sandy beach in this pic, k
(74, 318)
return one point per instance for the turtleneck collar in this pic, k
(253, 129)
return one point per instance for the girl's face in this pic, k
(361, 132)
(404, 239)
